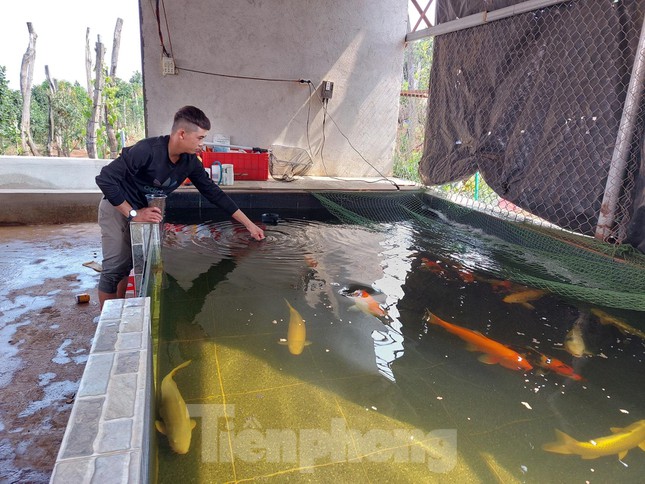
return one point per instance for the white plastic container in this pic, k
(227, 174)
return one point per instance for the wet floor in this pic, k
(45, 338)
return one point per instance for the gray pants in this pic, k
(116, 246)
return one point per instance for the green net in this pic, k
(564, 263)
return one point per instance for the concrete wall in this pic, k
(356, 44)
(34, 172)
(37, 190)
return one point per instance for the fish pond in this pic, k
(332, 352)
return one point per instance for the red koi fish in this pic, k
(366, 303)
(432, 266)
(553, 364)
(465, 275)
(494, 352)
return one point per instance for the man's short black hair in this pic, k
(189, 116)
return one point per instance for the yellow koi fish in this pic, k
(297, 332)
(574, 342)
(619, 443)
(523, 297)
(623, 327)
(175, 422)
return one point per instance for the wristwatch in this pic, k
(132, 214)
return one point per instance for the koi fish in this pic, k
(494, 352)
(297, 332)
(574, 342)
(553, 364)
(175, 422)
(311, 262)
(619, 443)
(465, 275)
(524, 297)
(622, 326)
(363, 301)
(499, 285)
(432, 266)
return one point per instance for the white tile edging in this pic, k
(106, 439)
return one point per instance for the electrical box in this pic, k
(327, 89)
(168, 65)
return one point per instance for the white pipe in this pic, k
(480, 19)
(618, 165)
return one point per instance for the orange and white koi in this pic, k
(364, 302)
(494, 352)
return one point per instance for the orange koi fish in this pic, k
(311, 262)
(366, 303)
(494, 352)
(553, 364)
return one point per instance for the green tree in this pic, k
(39, 112)
(10, 106)
(70, 105)
(412, 110)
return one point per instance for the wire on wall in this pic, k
(326, 113)
(164, 51)
(234, 76)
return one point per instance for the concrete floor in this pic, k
(45, 337)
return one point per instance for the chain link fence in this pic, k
(538, 116)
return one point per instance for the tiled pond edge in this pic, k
(106, 437)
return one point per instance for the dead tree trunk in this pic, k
(88, 62)
(109, 109)
(52, 142)
(95, 117)
(26, 79)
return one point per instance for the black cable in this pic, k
(311, 93)
(163, 4)
(231, 76)
(322, 142)
(163, 46)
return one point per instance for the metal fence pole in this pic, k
(626, 129)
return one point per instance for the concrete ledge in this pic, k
(106, 439)
(29, 207)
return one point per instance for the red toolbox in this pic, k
(246, 166)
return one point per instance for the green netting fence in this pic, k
(564, 263)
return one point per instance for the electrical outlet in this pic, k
(168, 66)
(327, 89)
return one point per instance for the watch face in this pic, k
(133, 213)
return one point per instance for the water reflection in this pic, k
(224, 290)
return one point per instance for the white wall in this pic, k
(44, 173)
(357, 44)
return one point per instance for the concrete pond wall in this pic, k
(37, 190)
